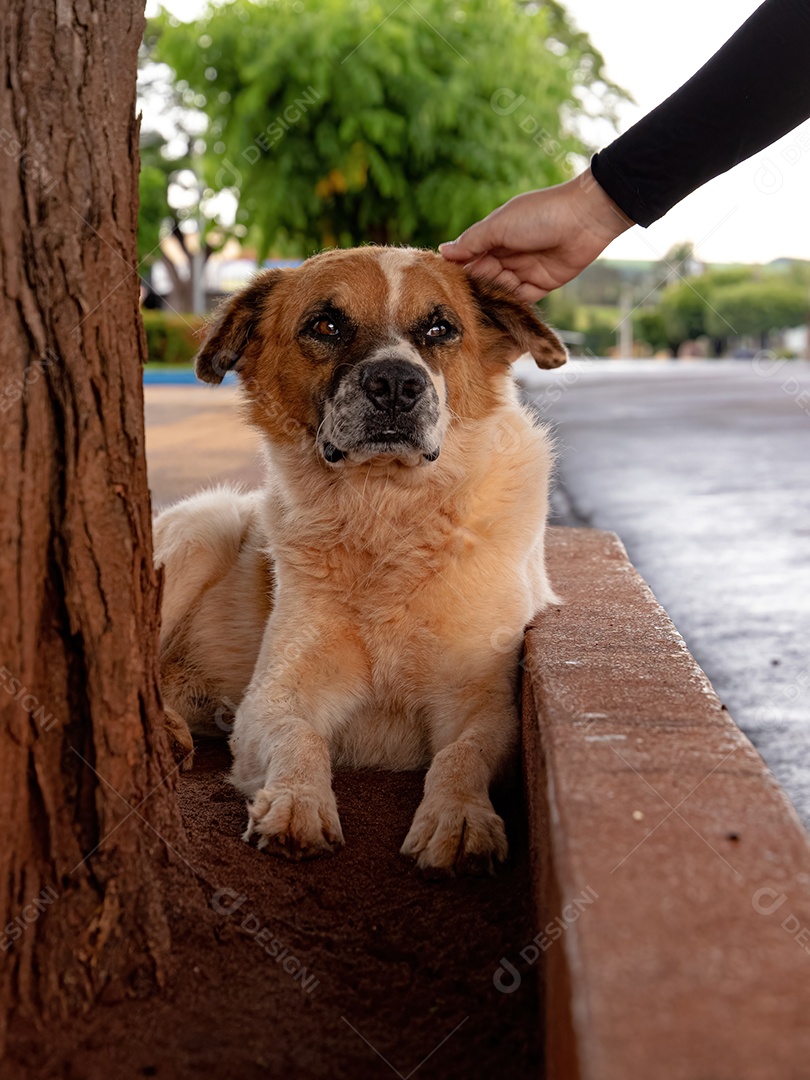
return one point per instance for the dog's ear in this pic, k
(232, 327)
(518, 329)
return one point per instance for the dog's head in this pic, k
(371, 352)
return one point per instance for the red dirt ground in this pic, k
(399, 970)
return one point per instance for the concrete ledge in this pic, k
(672, 875)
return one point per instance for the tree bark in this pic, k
(91, 831)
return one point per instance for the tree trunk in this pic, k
(89, 822)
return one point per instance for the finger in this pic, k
(530, 294)
(493, 269)
(472, 243)
(454, 251)
(511, 281)
(486, 266)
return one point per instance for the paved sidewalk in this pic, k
(195, 438)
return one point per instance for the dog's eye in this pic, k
(325, 328)
(438, 330)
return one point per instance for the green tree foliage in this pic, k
(733, 301)
(154, 210)
(600, 332)
(648, 327)
(559, 310)
(354, 120)
(683, 311)
(755, 307)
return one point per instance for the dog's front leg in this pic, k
(281, 744)
(456, 829)
(294, 812)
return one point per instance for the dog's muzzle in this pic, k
(386, 407)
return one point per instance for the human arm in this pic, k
(751, 92)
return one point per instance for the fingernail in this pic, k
(447, 244)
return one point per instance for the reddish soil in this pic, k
(398, 970)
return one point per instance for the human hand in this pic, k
(539, 240)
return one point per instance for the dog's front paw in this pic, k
(455, 837)
(293, 821)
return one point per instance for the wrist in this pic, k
(605, 217)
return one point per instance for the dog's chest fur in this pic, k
(433, 581)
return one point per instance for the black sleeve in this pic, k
(751, 92)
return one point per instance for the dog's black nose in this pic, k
(393, 385)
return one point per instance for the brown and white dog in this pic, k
(367, 607)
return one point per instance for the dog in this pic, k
(366, 608)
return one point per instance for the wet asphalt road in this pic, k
(703, 469)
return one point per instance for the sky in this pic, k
(756, 212)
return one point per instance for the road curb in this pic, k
(671, 873)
